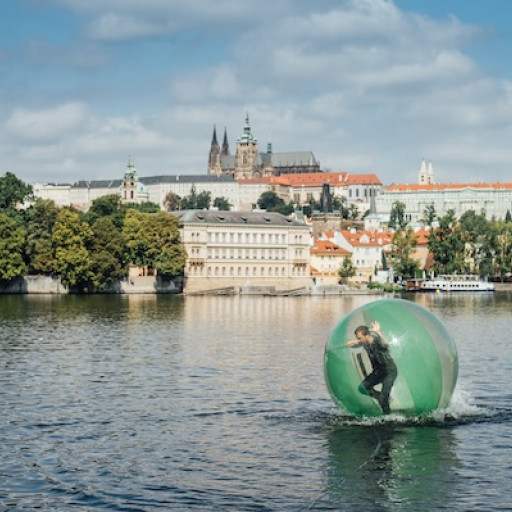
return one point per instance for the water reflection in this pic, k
(393, 468)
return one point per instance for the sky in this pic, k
(369, 86)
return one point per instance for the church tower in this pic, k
(246, 154)
(132, 190)
(214, 166)
(426, 174)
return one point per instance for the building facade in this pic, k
(367, 249)
(491, 199)
(249, 163)
(235, 249)
(326, 261)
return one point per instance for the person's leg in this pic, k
(367, 386)
(387, 384)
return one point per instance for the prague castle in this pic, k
(249, 163)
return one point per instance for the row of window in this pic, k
(254, 238)
(246, 254)
(221, 271)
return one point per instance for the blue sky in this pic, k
(369, 86)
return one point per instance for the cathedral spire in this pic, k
(247, 137)
(225, 144)
(214, 165)
(214, 136)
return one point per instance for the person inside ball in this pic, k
(384, 369)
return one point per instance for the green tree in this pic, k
(353, 212)
(172, 202)
(154, 241)
(339, 204)
(269, 201)
(107, 206)
(346, 270)
(404, 244)
(447, 245)
(204, 200)
(503, 262)
(71, 237)
(41, 218)
(190, 202)
(222, 203)
(12, 244)
(145, 207)
(397, 215)
(508, 216)
(480, 242)
(429, 214)
(106, 256)
(13, 191)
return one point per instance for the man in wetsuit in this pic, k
(384, 368)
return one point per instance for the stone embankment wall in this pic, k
(52, 285)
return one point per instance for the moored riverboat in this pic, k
(455, 283)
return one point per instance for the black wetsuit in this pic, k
(384, 371)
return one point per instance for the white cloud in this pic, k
(46, 124)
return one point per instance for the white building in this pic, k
(367, 248)
(233, 249)
(491, 199)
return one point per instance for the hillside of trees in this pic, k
(88, 251)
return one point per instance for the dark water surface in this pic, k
(149, 403)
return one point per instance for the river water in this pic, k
(150, 403)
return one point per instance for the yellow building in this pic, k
(236, 249)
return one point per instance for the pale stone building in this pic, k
(491, 199)
(235, 249)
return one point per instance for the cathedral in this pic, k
(249, 163)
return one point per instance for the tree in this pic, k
(13, 191)
(447, 245)
(503, 260)
(106, 257)
(429, 214)
(204, 200)
(222, 203)
(107, 206)
(353, 212)
(339, 203)
(12, 242)
(154, 241)
(269, 201)
(480, 242)
(347, 269)
(41, 218)
(397, 215)
(145, 207)
(71, 237)
(508, 216)
(404, 243)
(172, 202)
(190, 202)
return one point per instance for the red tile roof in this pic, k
(375, 239)
(447, 186)
(328, 247)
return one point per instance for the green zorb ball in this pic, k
(422, 349)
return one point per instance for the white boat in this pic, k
(456, 283)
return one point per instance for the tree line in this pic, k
(470, 244)
(88, 251)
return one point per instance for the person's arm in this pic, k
(353, 343)
(375, 326)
